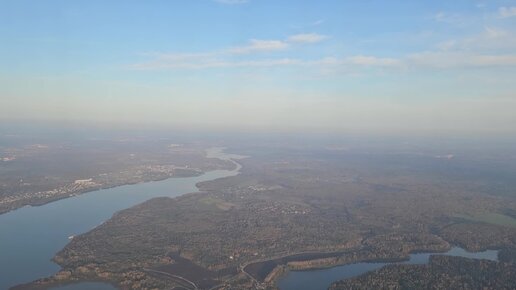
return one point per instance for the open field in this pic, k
(491, 218)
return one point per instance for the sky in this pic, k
(266, 65)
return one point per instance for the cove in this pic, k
(321, 279)
(31, 236)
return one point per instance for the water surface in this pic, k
(321, 279)
(31, 236)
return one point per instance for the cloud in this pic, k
(440, 17)
(317, 22)
(259, 45)
(450, 18)
(373, 61)
(445, 60)
(306, 25)
(490, 39)
(495, 33)
(506, 12)
(491, 47)
(420, 60)
(256, 45)
(179, 57)
(415, 61)
(306, 38)
(207, 61)
(231, 2)
(266, 62)
(223, 58)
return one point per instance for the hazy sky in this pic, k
(343, 66)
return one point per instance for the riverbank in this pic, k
(439, 272)
(128, 176)
(31, 236)
(322, 275)
(87, 284)
(45, 201)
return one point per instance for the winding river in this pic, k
(31, 236)
(321, 279)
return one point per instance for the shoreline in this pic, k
(276, 273)
(53, 280)
(71, 195)
(33, 286)
(196, 173)
(282, 270)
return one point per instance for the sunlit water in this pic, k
(31, 236)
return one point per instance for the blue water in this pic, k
(321, 279)
(31, 236)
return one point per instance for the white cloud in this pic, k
(495, 33)
(317, 22)
(506, 12)
(450, 18)
(440, 17)
(256, 45)
(446, 60)
(231, 2)
(178, 57)
(222, 58)
(373, 61)
(207, 61)
(492, 47)
(267, 62)
(307, 25)
(416, 61)
(421, 60)
(306, 38)
(490, 39)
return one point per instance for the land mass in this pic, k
(296, 208)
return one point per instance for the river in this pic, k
(31, 236)
(321, 279)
